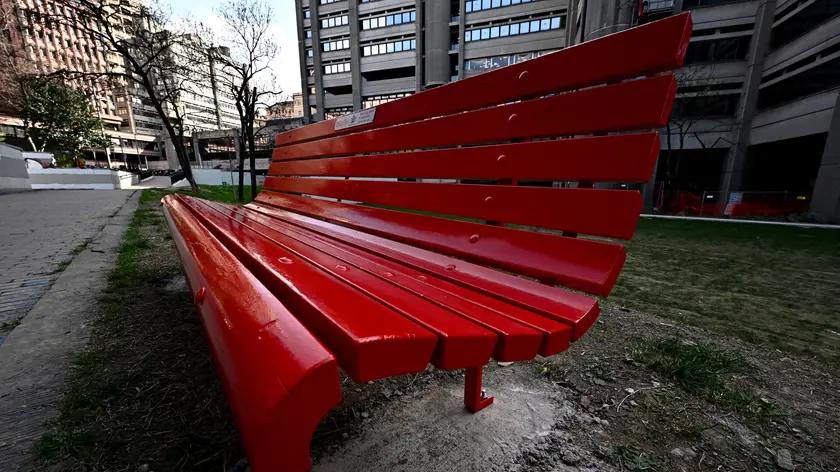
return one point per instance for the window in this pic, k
(822, 77)
(478, 5)
(389, 47)
(388, 20)
(308, 34)
(728, 49)
(514, 29)
(494, 32)
(504, 30)
(370, 102)
(468, 36)
(306, 13)
(334, 21)
(337, 68)
(308, 53)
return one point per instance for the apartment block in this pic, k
(357, 54)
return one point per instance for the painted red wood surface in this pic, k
(617, 158)
(653, 48)
(581, 264)
(514, 326)
(573, 309)
(634, 105)
(279, 380)
(610, 213)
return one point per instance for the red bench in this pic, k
(292, 286)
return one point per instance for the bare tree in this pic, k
(695, 115)
(159, 58)
(246, 62)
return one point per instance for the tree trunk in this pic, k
(243, 150)
(252, 158)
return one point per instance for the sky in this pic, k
(286, 66)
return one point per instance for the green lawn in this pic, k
(217, 193)
(772, 285)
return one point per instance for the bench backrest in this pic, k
(553, 118)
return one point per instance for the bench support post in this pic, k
(474, 397)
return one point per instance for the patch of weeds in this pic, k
(62, 266)
(599, 375)
(701, 370)
(10, 325)
(631, 458)
(546, 368)
(81, 247)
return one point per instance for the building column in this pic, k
(606, 17)
(316, 59)
(420, 38)
(304, 85)
(436, 42)
(571, 22)
(462, 19)
(355, 55)
(825, 200)
(649, 189)
(731, 178)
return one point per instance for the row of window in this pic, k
(335, 21)
(337, 68)
(478, 5)
(488, 63)
(389, 20)
(370, 102)
(336, 45)
(525, 27)
(325, 2)
(387, 48)
(822, 77)
(803, 21)
(728, 49)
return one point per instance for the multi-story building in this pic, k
(757, 113)
(355, 54)
(757, 108)
(287, 108)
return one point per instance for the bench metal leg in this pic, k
(474, 397)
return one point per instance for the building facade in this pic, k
(757, 106)
(355, 54)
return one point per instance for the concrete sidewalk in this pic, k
(36, 356)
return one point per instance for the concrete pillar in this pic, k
(355, 55)
(649, 189)
(571, 22)
(419, 71)
(606, 17)
(825, 200)
(304, 86)
(171, 156)
(437, 15)
(462, 8)
(731, 177)
(316, 56)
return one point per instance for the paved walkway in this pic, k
(52, 310)
(39, 233)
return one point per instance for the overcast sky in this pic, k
(286, 67)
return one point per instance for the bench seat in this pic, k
(478, 220)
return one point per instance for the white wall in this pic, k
(80, 179)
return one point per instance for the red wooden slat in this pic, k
(279, 379)
(646, 50)
(610, 213)
(461, 343)
(576, 310)
(369, 340)
(580, 264)
(509, 322)
(617, 158)
(635, 105)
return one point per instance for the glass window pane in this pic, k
(468, 36)
(485, 33)
(406, 45)
(523, 28)
(496, 3)
(505, 3)
(381, 21)
(555, 23)
(332, 22)
(535, 26)
(366, 51)
(389, 20)
(323, 23)
(390, 47)
(476, 5)
(398, 46)
(398, 19)
(514, 29)
(514, 2)
(366, 24)
(504, 30)
(494, 32)
(413, 16)
(326, 47)
(468, 6)
(545, 24)
(406, 17)
(344, 19)
(485, 4)
(413, 44)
